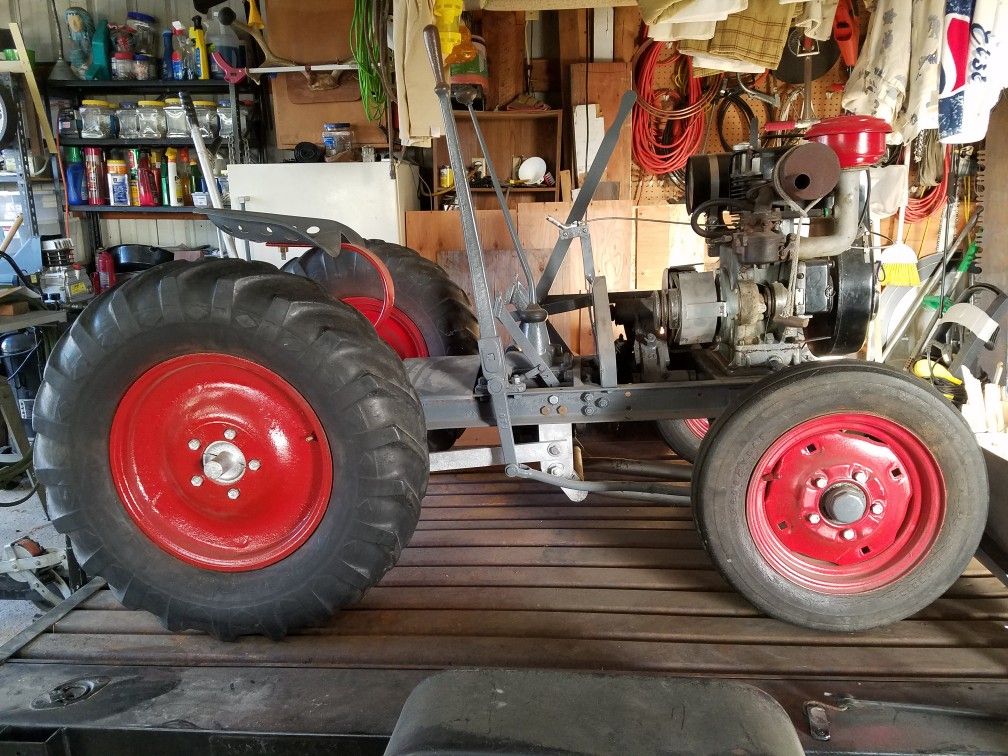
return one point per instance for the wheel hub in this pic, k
(843, 503)
(211, 418)
(223, 463)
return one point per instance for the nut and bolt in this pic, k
(553, 450)
(602, 402)
(553, 399)
(232, 493)
(196, 480)
(820, 481)
(861, 476)
(814, 518)
(587, 396)
(556, 470)
(589, 410)
(230, 434)
(849, 534)
(877, 508)
(194, 444)
(253, 464)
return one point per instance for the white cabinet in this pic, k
(361, 195)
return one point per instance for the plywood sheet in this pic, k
(432, 232)
(662, 242)
(603, 84)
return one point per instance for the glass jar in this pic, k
(98, 120)
(175, 118)
(129, 125)
(206, 117)
(144, 34)
(151, 119)
(336, 138)
(122, 66)
(143, 67)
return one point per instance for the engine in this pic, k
(791, 279)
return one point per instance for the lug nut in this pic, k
(877, 508)
(861, 476)
(194, 444)
(253, 464)
(232, 493)
(554, 450)
(196, 480)
(602, 402)
(553, 399)
(589, 410)
(820, 482)
(587, 396)
(230, 434)
(849, 534)
(814, 518)
(556, 470)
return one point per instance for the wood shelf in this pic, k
(509, 134)
(126, 143)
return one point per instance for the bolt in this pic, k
(194, 444)
(196, 480)
(877, 508)
(232, 493)
(310, 438)
(820, 482)
(556, 470)
(561, 410)
(545, 409)
(554, 450)
(253, 465)
(230, 434)
(814, 518)
(589, 410)
(553, 399)
(861, 476)
(849, 534)
(587, 396)
(602, 402)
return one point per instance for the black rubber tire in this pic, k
(423, 292)
(326, 350)
(740, 437)
(679, 438)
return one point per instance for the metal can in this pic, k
(446, 177)
(94, 175)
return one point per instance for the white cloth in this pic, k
(816, 18)
(419, 110)
(920, 109)
(668, 31)
(889, 189)
(692, 11)
(877, 85)
(721, 63)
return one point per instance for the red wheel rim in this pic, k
(806, 491)
(698, 426)
(186, 408)
(397, 329)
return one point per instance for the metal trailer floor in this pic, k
(502, 573)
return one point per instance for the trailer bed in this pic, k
(504, 573)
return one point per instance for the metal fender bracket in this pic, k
(285, 229)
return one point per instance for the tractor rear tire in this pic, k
(190, 355)
(841, 496)
(432, 315)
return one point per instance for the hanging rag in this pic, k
(753, 38)
(974, 57)
(419, 110)
(878, 83)
(816, 18)
(667, 31)
(688, 11)
(920, 109)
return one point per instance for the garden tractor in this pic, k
(242, 450)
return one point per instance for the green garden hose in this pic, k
(365, 46)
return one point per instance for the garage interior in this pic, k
(680, 366)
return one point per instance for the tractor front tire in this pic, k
(229, 448)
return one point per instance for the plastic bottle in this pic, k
(182, 168)
(105, 265)
(163, 180)
(180, 69)
(75, 182)
(166, 55)
(171, 155)
(196, 182)
(447, 14)
(222, 39)
(198, 36)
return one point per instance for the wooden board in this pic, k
(606, 83)
(660, 244)
(504, 33)
(433, 232)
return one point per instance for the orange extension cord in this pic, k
(920, 208)
(650, 117)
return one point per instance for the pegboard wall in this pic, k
(826, 96)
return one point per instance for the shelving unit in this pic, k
(77, 89)
(509, 134)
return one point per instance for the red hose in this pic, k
(921, 208)
(651, 115)
(388, 287)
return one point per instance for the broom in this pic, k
(899, 260)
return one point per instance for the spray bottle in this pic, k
(200, 58)
(171, 155)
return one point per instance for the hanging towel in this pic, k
(816, 18)
(877, 85)
(920, 109)
(671, 32)
(419, 111)
(755, 37)
(688, 11)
